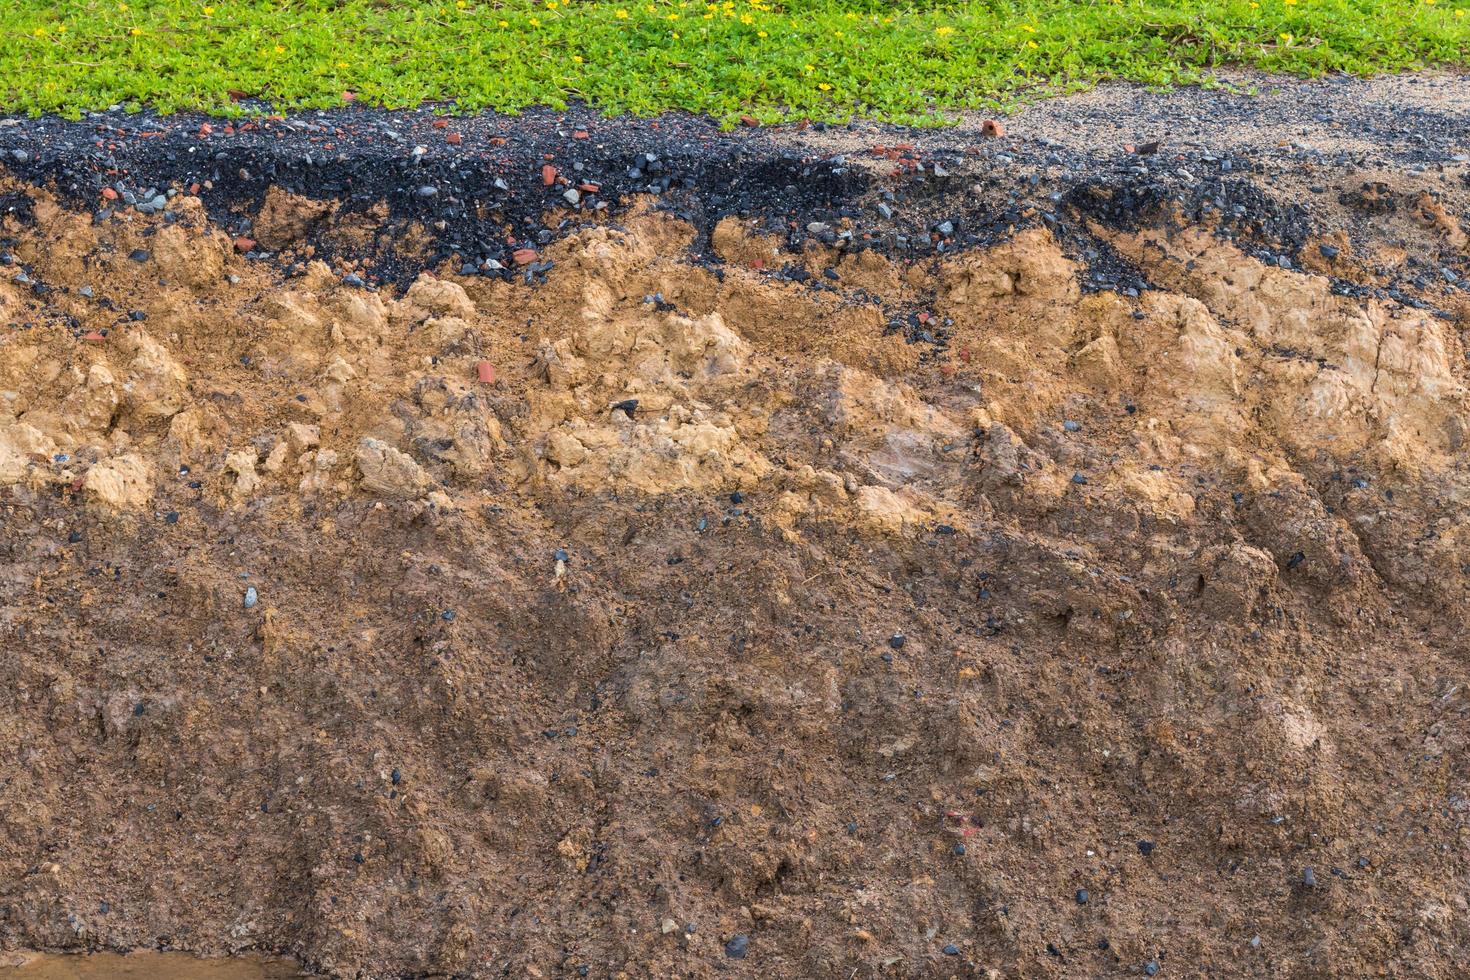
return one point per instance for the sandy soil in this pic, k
(671, 617)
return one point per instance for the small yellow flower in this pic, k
(461, 4)
(810, 69)
(124, 7)
(502, 23)
(709, 16)
(280, 49)
(1032, 44)
(60, 28)
(747, 19)
(676, 35)
(621, 15)
(836, 33)
(1289, 3)
(1284, 38)
(576, 59)
(761, 34)
(135, 31)
(39, 32)
(1459, 13)
(824, 86)
(342, 64)
(944, 31)
(209, 11)
(672, 17)
(552, 4)
(533, 21)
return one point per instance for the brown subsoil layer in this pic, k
(669, 617)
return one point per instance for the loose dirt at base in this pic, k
(672, 618)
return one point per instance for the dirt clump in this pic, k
(724, 618)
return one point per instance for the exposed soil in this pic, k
(752, 581)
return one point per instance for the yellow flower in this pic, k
(676, 35)
(135, 31)
(502, 23)
(836, 33)
(1028, 28)
(1285, 38)
(810, 69)
(39, 32)
(551, 4)
(709, 16)
(1032, 44)
(280, 49)
(761, 34)
(461, 4)
(621, 15)
(208, 11)
(824, 86)
(1459, 13)
(672, 17)
(747, 19)
(944, 31)
(60, 28)
(123, 7)
(342, 64)
(1289, 3)
(576, 59)
(533, 22)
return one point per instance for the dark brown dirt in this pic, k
(883, 662)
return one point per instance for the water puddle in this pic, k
(142, 966)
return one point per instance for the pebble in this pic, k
(737, 947)
(1082, 896)
(1071, 426)
(1309, 878)
(428, 190)
(1151, 967)
(251, 597)
(1079, 479)
(1146, 847)
(897, 640)
(950, 949)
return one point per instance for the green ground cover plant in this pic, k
(819, 59)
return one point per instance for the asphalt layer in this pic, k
(1271, 163)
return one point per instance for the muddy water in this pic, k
(152, 966)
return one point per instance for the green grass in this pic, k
(823, 59)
